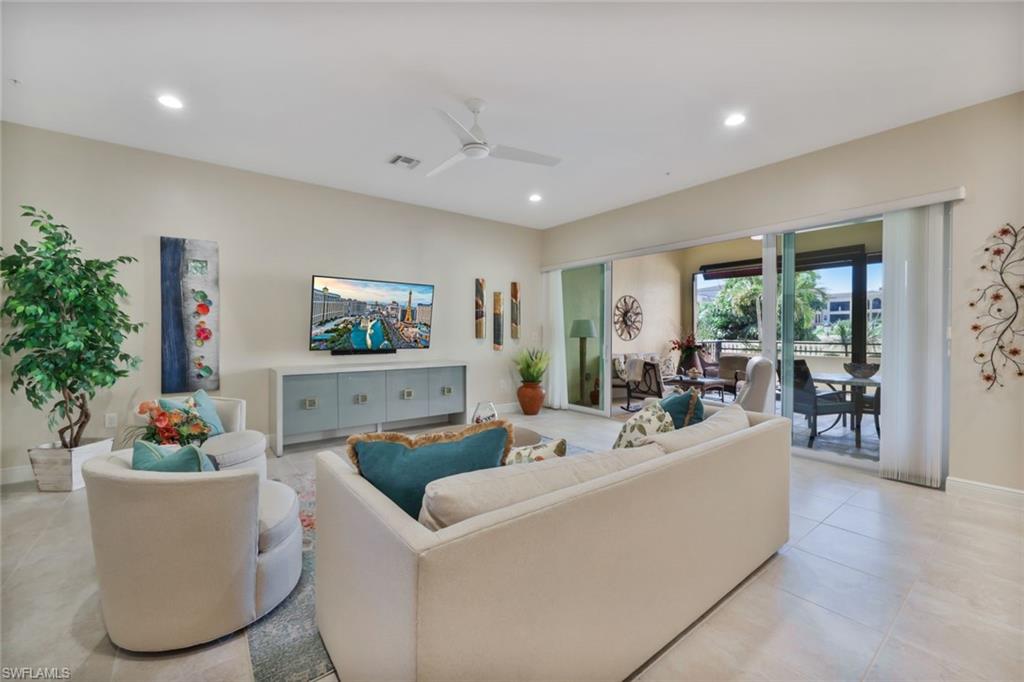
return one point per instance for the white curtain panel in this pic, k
(914, 355)
(556, 381)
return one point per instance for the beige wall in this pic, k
(981, 148)
(656, 282)
(273, 235)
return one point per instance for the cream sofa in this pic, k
(584, 583)
(185, 558)
(237, 447)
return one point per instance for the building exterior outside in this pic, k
(839, 305)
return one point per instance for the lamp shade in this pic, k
(583, 329)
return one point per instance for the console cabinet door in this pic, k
(447, 392)
(407, 393)
(361, 399)
(310, 403)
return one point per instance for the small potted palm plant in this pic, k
(65, 330)
(532, 363)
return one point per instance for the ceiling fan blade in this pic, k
(461, 132)
(448, 163)
(500, 151)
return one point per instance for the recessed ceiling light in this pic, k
(733, 120)
(170, 101)
(535, 198)
(757, 237)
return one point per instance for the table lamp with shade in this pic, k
(583, 330)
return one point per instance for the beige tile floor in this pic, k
(879, 581)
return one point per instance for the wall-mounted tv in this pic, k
(369, 316)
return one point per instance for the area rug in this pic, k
(285, 645)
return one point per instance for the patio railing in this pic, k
(833, 349)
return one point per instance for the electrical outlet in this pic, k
(110, 420)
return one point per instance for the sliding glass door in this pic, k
(830, 337)
(585, 305)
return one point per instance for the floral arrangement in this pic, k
(689, 346)
(999, 323)
(172, 427)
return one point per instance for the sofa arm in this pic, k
(367, 572)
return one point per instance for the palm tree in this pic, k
(735, 313)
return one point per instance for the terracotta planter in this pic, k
(531, 397)
(59, 469)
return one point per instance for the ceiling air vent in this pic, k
(406, 162)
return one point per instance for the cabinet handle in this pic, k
(310, 403)
(447, 390)
(407, 394)
(361, 398)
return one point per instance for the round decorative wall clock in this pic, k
(628, 318)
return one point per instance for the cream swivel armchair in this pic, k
(185, 558)
(755, 386)
(237, 447)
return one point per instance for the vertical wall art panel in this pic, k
(513, 313)
(481, 313)
(499, 335)
(189, 315)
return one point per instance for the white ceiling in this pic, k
(631, 96)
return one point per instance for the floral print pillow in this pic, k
(644, 424)
(536, 453)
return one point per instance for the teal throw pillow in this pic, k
(401, 467)
(685, 408)
(204, 406)
(148, 456)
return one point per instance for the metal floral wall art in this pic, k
(999, 321)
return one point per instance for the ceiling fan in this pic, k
(475, 144)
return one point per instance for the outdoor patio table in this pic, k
(857, 384)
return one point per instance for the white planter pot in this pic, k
(59, 469)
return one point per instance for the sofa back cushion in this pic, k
(401, 466)
(723, 422)
(456, 498)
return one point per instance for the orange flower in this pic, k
(198, 427)
(147, 406)
(176, 418)
(160, 419)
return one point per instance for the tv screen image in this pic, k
(364, 315)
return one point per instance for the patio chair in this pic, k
(732, 370)
(873, 404)
(813, 402)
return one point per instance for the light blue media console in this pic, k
(321, 402)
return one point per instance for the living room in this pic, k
(257, 257)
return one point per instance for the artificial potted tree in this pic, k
(65, 330)
(532, 363)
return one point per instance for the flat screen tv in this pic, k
(369, 316)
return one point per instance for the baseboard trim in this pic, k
(987, 492)
(507, 408)
(18, 474)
